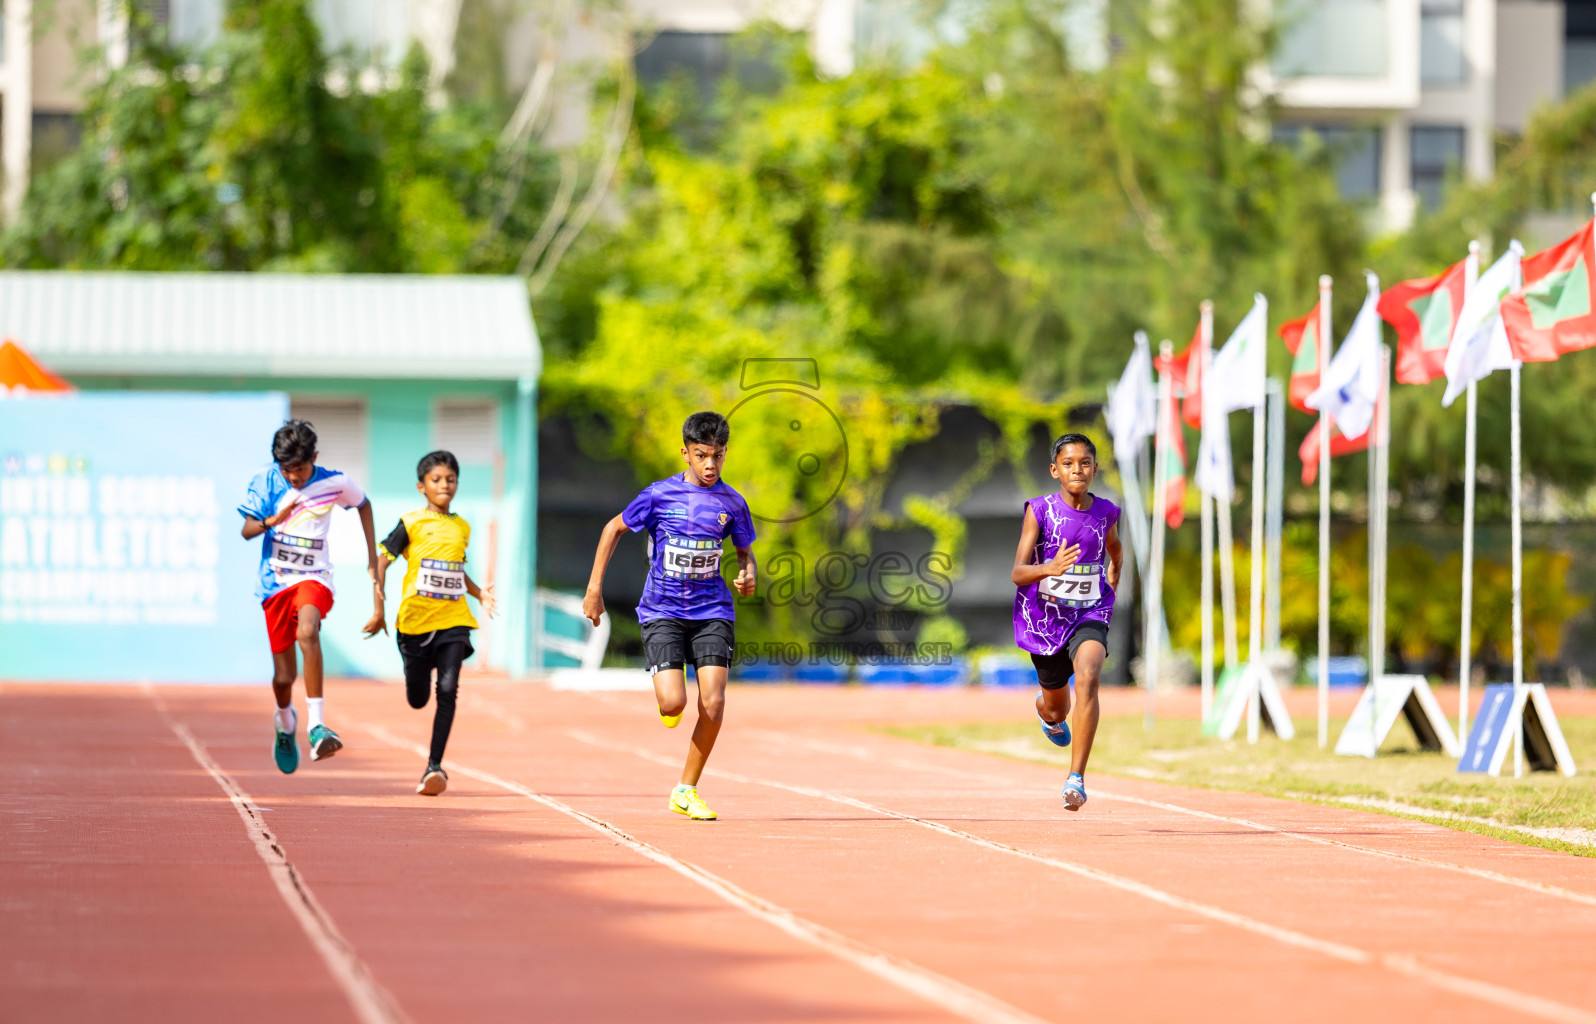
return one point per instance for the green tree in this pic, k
(262, 151)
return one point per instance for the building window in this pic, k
(467, 427)
(1441, 58)
(704, 59)
(377, 31)
(1354, 153)
(341, 436)
(1338, 38)
(1435, 154)
(1579, 46)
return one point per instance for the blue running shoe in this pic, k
(324, 743)
(286, 752)
(1074, 792)
(1059, 734)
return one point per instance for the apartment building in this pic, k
(1406, 92)
(1411, 91)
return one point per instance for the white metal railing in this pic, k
(589, 651)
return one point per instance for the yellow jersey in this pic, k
(434, 548)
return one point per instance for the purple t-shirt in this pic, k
(687, 527)
(1047, 612)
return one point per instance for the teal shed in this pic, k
(387, 368)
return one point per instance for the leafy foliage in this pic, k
(263, 152)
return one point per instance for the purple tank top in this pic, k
(1047, 612)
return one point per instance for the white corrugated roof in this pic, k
(277, 325)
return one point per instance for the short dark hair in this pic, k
(294, 442)
(1065, 439)
(437, 458)
(708, 428)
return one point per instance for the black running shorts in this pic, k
(671, 643)
(1054, 670)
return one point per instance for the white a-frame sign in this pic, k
(1386, 699)
(1238, 685)
(1503, 711)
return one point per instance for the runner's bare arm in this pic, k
(370, 530)
(255, 527)
(1025, 571)
(747, 570)
(378, 622)
(484, 595)
(1116, 554)
(593, 600)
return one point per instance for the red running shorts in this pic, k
(282, 611)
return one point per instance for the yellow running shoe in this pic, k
(671, 721)
(684, 800)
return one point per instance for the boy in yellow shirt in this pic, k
(434, 623)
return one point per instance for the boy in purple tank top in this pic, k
(686, 610)
(1065, 570)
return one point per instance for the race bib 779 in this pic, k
(1079, 586)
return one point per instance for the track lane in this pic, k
(1404, 923)
(129, 891)
(479, 906)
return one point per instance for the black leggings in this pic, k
(445, 654)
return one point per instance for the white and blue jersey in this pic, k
(295, 550)
(687, 527)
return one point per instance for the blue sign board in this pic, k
(119, 551)
(1492, 725)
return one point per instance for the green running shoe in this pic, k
(286, 752)
(324, 743)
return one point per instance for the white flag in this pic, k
(1351, 384)
(1479, 341)
(1234, 380)
(1213, 473)
(1133, 402)
(1235, 376)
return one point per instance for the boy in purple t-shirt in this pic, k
(1065, 570)
(686, 611)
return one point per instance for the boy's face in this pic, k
(1074, 468)
(298, 473)
(438, 486)
(704, 461)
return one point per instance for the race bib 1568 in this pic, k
(297, 554)
(440, 579)
(691, 559)
(1079, 586)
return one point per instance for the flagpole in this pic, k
(1465, 668)
(1274, 496)
(1255, 559)
(1372, 535)
(1227, 572)
(1518, 575)
(1205, 338)
(1382, 508)
(1324, 520)
(1155, 574)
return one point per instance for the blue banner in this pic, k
(120, 558)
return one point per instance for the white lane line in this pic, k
(1541, 888)
(937, 989)
(1509, 999)
(372, 1003)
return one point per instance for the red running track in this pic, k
(156, 867)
